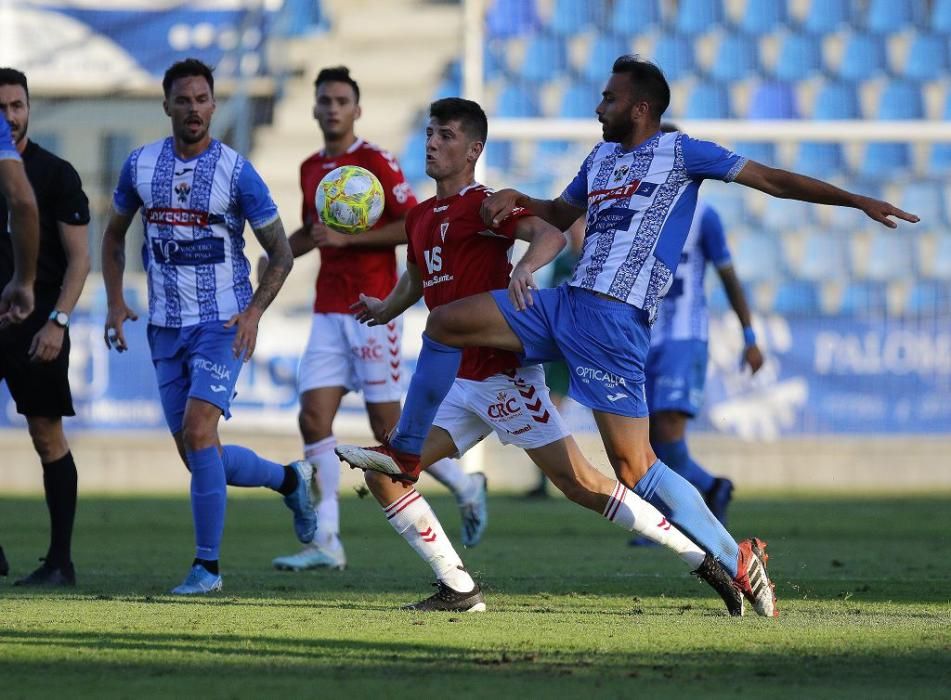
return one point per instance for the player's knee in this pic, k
(313, 426)
(50, 444)
(197, 435)
(629, 470)
(441, 326)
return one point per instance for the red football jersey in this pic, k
(458, 255)
(345, 272)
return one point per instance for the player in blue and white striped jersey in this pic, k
(195, 194)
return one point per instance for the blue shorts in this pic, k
(676, 373)
(603, 342)
(194, 362)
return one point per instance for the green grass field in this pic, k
(863, 589)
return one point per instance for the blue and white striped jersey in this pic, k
(193, 212)
(682, 315)
(8, 149)
(640, 204)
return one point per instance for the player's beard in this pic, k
(187, 136)
(19, 130)
(614, 132)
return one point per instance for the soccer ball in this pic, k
(349, 199)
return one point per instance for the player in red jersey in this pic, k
(342, 355)
(452, 254)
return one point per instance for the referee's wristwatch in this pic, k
(60, 318)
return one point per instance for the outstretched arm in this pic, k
(788, 185)
(546, 242)
(376, 312)
(734, 292)
(557, 212)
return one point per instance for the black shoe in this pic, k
(450, 600)
(50, 575)
(714, 574)
(718, 498)
(4, 565)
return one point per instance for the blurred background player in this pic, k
(196, 194)
(343, 355)
(34, 356)
(676, 366)
(16, 300)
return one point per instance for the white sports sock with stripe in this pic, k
(411, 516)
(327, 481)
(628, 510)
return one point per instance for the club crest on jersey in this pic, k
(443, 230)
(621, 172)
(182, 189)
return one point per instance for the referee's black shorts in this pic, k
(38, 388)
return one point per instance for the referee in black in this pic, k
(34, 356)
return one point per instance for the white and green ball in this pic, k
(349, 199)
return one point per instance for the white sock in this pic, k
(449, 473)
(411, 516)
(327, 480)
(633, 513)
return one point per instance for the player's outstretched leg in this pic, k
(208, 498)
(410, 515)
(470, 493)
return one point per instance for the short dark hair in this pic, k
(648, 81)
(669, 127)
(187, 68)
(11, 76)
(468, 113)
(337, 74)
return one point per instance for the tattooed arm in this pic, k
(280, 260)
(113, 267)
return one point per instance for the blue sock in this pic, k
(209, 495)
(681, 503)
(435, 372)
(676, 456)
(243, 467)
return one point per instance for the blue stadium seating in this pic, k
(836, 100)
(862, 57)
(940, 262)
(941, 16)
(824, 257)
(863, 299)
(757, 257)
(579, 101)
(884, 160)
(517, 101)
(890, 16)
(631, 17)
(773, 100)
(785, 214)
(889, 257)
(736, 58)
(800, 57)
(545, 57)
(796, 298)
(819, 159)
(498, 155)
(901, 99)
(926, 199)
(928, 298)
(493, 65)
(601, 56)
(763, 16)
(939, 161)
(927, 57)
(697, 16)
(574, 16)
(675, 56)
(760, 151)
(708, 101)
(413, 157)
(508, 18)
(826, 16)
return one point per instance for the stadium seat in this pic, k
(517, 101)
(630, 17)
(819, 159)
(836, 100)
(570, 17)
(796, 298)
(941, 16)
(824, 257)
(862, 57)
(889, 257)
(799, 57)
(890, 16)
(675, 56)
(579, 101)
(601, 56)
(929, 298)
(729, 203)
(900, 99)
(708, 101)
(509, 18)
(926, 199)
(493, 63)
(697, 16)
(413, 157)
(882, 160)
(498, 154)
(826, 16)
(773, 100)
(939, 161)
(736, 57)
(763, 16)
(927, 57)
(863, 299)
(545, 57)
(785, 213)
(757, 257)
(761, 151)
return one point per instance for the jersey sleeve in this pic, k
(410, 247)
(576, 193)
(72, 205)
(507, 227)
(254, 198)
(126, 199)
(399, 197)
(707, 160)
(713, 238)
(8, 149)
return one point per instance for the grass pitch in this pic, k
(863, 590)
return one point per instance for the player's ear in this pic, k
(475, 150)
(357, 112)
(165, 107)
